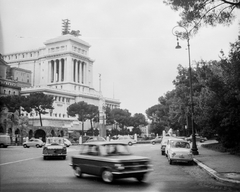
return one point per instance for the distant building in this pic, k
(62, 69)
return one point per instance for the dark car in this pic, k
(198, 138)
(110, 161)
(54, 147)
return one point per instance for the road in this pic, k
(24, 170)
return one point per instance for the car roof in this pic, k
(104, 143)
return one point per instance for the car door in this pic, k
(31, 143)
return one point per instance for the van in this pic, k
(5, 141)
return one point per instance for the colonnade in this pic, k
(60, 70)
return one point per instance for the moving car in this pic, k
(158, 139)
(33, 142)
(67, 142)
(54, 147)
(110, 161)
(125, 139)
(5, 140)
(179, 151)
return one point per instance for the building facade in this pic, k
(64, 70)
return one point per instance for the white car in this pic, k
(125, 139)
(67, 142)
(33, 142)
(179, 151)
(168, 143)
(164, 143)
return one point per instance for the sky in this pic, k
(132, 44)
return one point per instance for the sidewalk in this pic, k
(220, 165)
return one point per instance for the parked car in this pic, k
(125, 139)
(67, 142)
(198, 138)
(169, 141)
(110, 161)
(158, 139)
(54, 147)
(179, 151)
(94, 139)
(5, 141)
(163, 143)
(33, 142)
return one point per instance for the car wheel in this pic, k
(37, 146)
(163, 152)
(130, 143)
(78, 172)
(140, 178)
(153, 142)
(107, 176)
(25, 146)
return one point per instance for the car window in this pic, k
(114, 149)
(90, 150)
(180, 144)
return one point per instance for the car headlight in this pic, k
(119, 166)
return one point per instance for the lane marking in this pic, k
(19, 161)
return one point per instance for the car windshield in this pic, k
(179, 144)
(114, 149)
(55, 141)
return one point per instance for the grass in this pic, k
(221, 148)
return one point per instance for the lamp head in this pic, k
(178, 46)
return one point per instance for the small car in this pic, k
(54, 147)
(67, 142)
(169, 142)
(33, 142)
(110, 161)
(164, 143)
(125, 139)
(198, 138)
(158, 139)
(179, 151)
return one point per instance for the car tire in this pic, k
(163, 152)
(190, 163)
(107, 176)
(64, 157)
(140, 178)
(153, 142)
(45, 158)
(130, 143)
(37, 146)
(78, 172)
(25, 146)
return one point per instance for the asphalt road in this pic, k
(24, 170)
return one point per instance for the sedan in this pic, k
(110, 161)
(198, 138)
(179, 151)
(33, 143)
(156, 140)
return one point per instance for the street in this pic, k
(23, 170)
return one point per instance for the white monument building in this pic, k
(63, 69)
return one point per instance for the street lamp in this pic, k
(186, 35)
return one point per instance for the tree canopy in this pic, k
(195, 13)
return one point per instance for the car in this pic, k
(54, 147)
(163, 143)
(67, 142)
(198, 138)
(158, 139)
(179, 151)
(5, 140)
(125, 139)
(169, 142)
(33, 142)
(94, 139)
(110, 161)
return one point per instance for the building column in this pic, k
(54, 70)
(49, 72)
(63, 69)
(80, 72)
(59, 70)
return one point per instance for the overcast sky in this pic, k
(131, 42)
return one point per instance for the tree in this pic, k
(39, 102)
(81, 110)
(194, 13)
(121, 116)
(92, 113)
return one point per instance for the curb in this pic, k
(214, 173)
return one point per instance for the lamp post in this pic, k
(186, 35)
